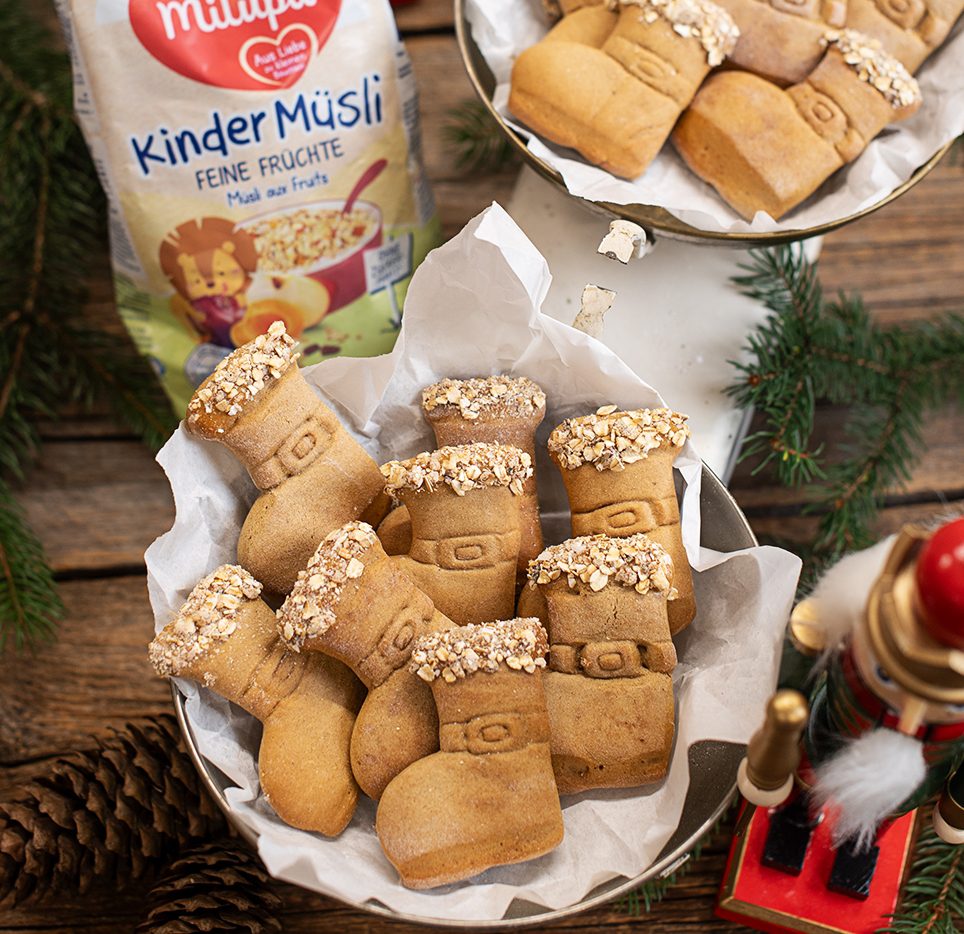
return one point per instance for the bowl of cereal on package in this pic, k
(324, 241)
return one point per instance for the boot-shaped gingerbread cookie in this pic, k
(500, 410)
(488, 797)
(224, 637)
(313, 475)
(909, 29)
(494, 409)
(609, 689)
(616, 104)
(618, 472)
(767, 149)
(782, 40)
(355, 604)
(465, 508)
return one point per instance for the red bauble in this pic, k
(940, 584)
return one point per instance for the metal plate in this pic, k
(713, 765)
(651, 219)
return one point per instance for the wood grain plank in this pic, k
(687, 909)
(442, 84)
(97, 504)
(421, 15)
(95, 675)
(791, 530)
(906, 259)
(459, 202)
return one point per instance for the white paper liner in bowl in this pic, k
(504, 28)
(472, 309)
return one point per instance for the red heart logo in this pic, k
(279, 62)
(214, 44)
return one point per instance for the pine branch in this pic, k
(780, 382)
(809, 350)
(933, 898)
(105, 367)
(54, 221)
(29, 605)
(476, 139)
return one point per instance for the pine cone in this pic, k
(215, 887)
(112, 813)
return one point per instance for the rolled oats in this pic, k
(309, 610)
(519, 644)
(207, 618)
(875, 66)
(514, 396)
(462, 467)
(598, 560)
(611, 440)
(701, 19)
(240, 376)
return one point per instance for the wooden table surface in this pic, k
(97, 499)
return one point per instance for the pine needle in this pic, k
(478, 142)
(29, 605)
(933, 897)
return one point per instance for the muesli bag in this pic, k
(262, 161)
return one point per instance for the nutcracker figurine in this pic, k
(831, 798)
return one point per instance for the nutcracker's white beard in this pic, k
(841, 594)
(866, 780)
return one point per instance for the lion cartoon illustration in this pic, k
(210, 265)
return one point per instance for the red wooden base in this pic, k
(769, 900)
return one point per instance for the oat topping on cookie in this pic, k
(309, 610)
(598, 560)
(875, 66)
(241, 375)
(610, 440)
(519, 644)
(207, 618)
(463, 467)
(514, 396)
(701, 19)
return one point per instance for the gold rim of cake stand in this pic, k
(654, 219)
(726, 529)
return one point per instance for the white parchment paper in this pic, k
(473, 308)
(504, 28)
